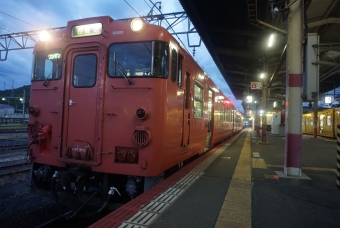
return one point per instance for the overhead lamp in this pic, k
(271, 40)
(262, 75)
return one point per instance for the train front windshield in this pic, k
(47, 65)
(148, 59)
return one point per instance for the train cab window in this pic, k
(143, 59)
(47, 65)
(173, 65)
(84, 70)
(198, 100)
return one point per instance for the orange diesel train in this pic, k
(116, 103)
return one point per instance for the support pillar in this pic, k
(338, 158)
(257, 123)
(264, 114)
(293, 138)
(315, 119)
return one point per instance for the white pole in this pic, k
(293, 139)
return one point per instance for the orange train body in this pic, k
(108, 101)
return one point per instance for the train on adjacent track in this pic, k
(327, 122)
(115, 104)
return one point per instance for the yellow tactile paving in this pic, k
(236, 208)
(258, 163)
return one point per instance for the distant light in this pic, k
(201, 77)
(249, 99)
(271, 40)
(262, 75)
(274, 104)
(137, 24)
(44, 35)
(261, 111)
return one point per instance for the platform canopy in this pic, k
(236, 34)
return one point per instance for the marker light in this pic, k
(142, 114)
(44, 35)
(137, 24)
(34, 111)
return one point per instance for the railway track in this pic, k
(13, 130)
(13, 143)
(9, 169)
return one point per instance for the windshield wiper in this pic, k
(124, 73)
(55, 68)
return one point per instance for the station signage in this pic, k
(328, 99)
(256, 85)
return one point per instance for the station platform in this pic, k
(235, 185)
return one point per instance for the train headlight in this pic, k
(132, 156)
(137, 24)
(142, 114)
(44, 36)
(121, 155)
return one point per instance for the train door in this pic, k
(186, 112)
(83, 102)
(336, 121)
(321, 126)
(209, 123)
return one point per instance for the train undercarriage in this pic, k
(73, 188)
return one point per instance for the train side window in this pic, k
(230, 117)
(173, 65)
(160, 56)
(198, 100)
(222, 113)
(225, 114)
(187, 91)
(329, 120)
(180, 64)
(84, 70)
(47, 65)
